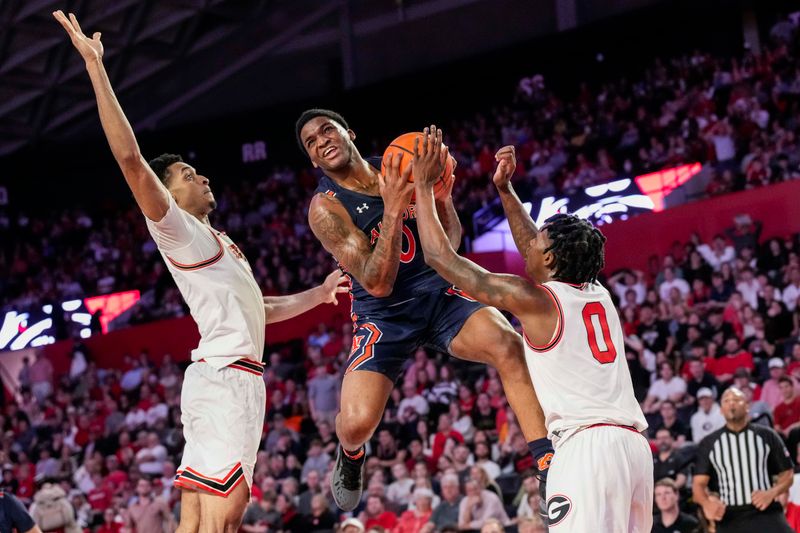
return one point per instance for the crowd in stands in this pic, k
(449, 454)
(738, 114)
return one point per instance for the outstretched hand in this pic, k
(333, 286)
(506, 166)
(430, 156)
(90, 49)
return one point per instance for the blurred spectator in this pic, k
(321, 518)
(708, 417)
(323, 395)
(352, 525)
(667, 463)
(41, 377)
(317, 460)
(152, 456)
(376, 514)
(413, 520)
(261, 515)
(667, 387)
(149, 513)
(771, 390)
(670, 519)
(447, 512)
(399, 491)
(787, 413)
(478, 506)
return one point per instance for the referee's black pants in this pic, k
(769, 522)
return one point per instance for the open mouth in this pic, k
(330, 152)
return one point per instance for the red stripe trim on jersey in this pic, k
(190, 484)
(246, 365)
(201, 264)
(629, 428)
(190, 478)
(214, 479)
(560, 328)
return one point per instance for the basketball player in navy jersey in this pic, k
(366, 221)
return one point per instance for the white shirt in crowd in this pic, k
(155, 465)
(703, 423)
(749, 291)
(677, 283)
(492, 469)
(790, 295)
(714, 260)
(416, 402)
(663, 390)
(639, 288)
(399, 491)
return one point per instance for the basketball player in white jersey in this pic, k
(223, 396)
(601, 477)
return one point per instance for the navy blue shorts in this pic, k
(384, 340)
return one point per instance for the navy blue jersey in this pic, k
(13, 516)
(414, 277)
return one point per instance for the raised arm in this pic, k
(279, 308)
(148, 191)
(523, 229)
(448, 215)
(504, 291)
(374, 267)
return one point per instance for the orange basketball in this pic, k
(405, 145)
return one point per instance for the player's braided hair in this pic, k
(578, 248)
(161, 163)
(309, 114)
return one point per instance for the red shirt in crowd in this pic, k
(440, 439)
(728, 364)
(113, 527)
(787, 414)
(99, 498)
(386, 520)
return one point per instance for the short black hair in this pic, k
(310, 114)
(578, 247)
(161, 163)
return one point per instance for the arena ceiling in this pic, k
(178, 61)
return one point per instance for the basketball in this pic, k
(405, 144)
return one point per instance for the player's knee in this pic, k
(355, 426)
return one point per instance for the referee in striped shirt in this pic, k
(749, 466)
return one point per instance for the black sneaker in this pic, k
(346, 482)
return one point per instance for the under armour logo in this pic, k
(363, 208)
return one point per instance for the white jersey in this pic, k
(218, 285)
(581, 376)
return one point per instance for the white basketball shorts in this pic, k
(601, 479)
(222, 412)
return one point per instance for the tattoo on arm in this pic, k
(523, 229)
(375, 268)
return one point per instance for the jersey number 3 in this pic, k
(607, 353)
